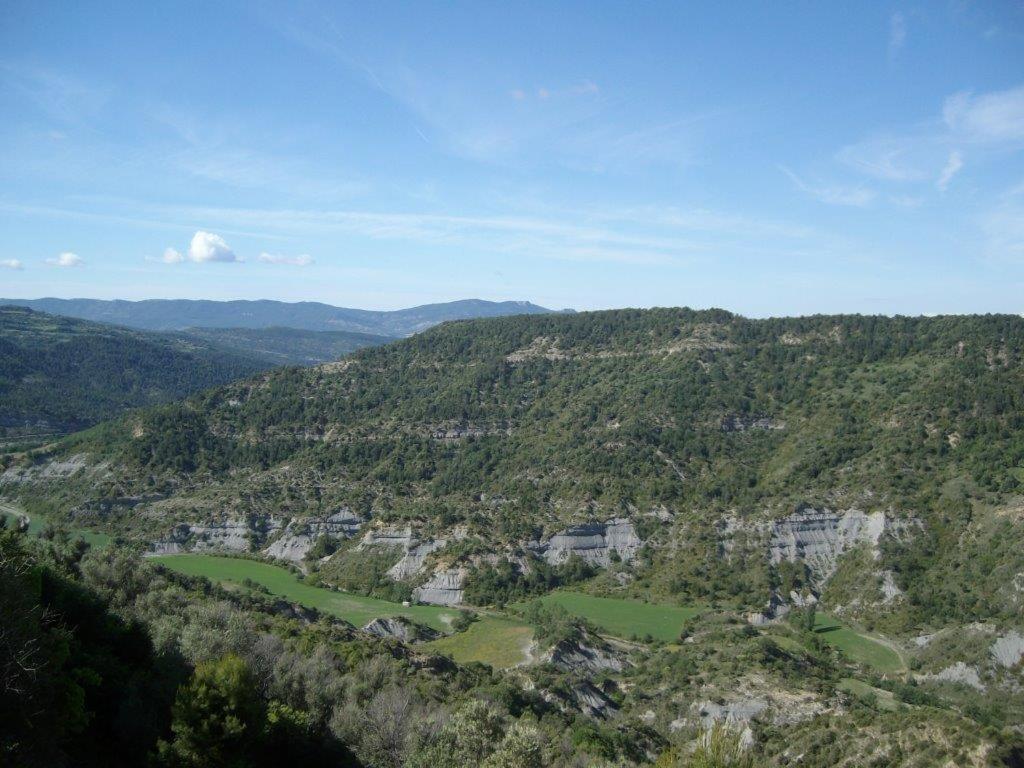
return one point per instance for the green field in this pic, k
(857, 647)
(623, 618)
(499, 642)
(883, 699)
(356, 609)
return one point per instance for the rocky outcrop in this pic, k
(415, 559)
(231, 535)
(414, 551)
(740, 423)
(594, 542)
(300, 534)
(401, 628)
(957, 673)
(819, 537)
(592, 701)
(443, 588)
(54, 469)
(583, 655)
(1008, 650)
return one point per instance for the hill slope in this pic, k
(177, 314)
(58, 374)
(703, 429)
(287, 346)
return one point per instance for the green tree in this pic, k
(219, 718)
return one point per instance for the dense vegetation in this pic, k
(59, 374)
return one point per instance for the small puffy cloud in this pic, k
(10, 264)
(172, 256)
(66, 259)
(543, 93)
(951, 169)
(587, 87)
(518, 94)
(303, 260)
(207, 247)
(989, 117)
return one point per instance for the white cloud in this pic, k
(10, 264)
(988, 117)
(66, 259)
(518, 94)
(897, 33)
(888, 158)
(303, 260)
(832, 195)
(207, 247)
(172, 256)
(952, 168)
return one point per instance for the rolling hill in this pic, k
(59, 374)
(178, 314)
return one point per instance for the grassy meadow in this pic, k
(356, 609)
(621, 617)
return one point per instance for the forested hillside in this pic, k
(58, 374)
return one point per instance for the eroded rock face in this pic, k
(1008, 650)
(402, 629)
(957, 673)
(54, 469)
(232, 535)
(591, 700)
(594, 542)
(241, 535)
(414, 560)
(818, 538)
(301, 534)
(583, 656)
(414, 551)
(443, 588)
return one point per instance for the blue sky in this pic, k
(771, 159)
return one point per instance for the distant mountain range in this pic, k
(179, 314)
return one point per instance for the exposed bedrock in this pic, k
(401, 628)
(301, 534)
(414, 551)
(443, 588)
(594, 542)
(819, 537)
(583, 655)
(249, 534)
(1008, 650)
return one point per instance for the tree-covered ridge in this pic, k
(633, 407)
(58, 374)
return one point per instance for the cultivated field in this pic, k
(356, 609)
(624, 618)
